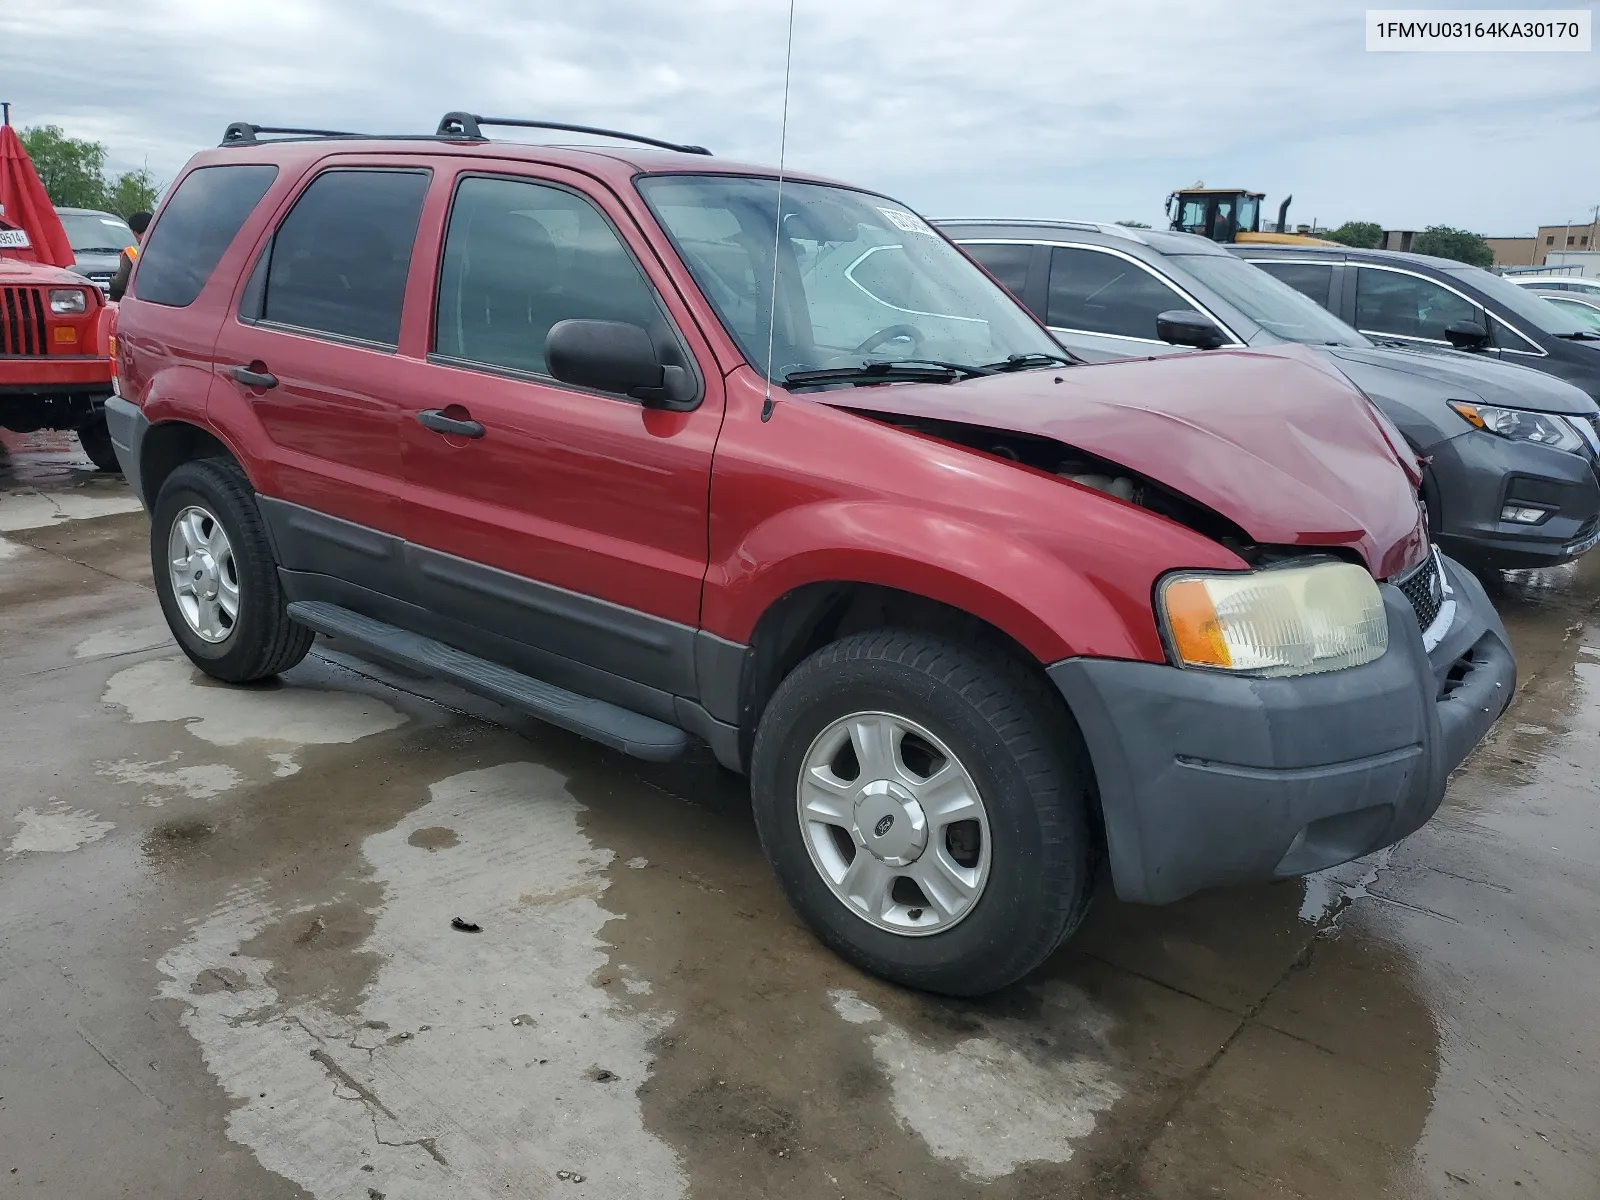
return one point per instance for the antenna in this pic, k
(777, 217)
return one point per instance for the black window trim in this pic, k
(518, 375)
(1235, 342)
(323, 335)
(1537, 351)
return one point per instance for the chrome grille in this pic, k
(1423, 585)
(22, 320)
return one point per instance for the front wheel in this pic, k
(95, 438)
(216, 576)
(925, 811)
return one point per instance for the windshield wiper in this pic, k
(901, 370)
(1027, 362)
(1583, 335)
(97, 249)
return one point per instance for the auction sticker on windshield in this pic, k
(13, 239)
(907, 221)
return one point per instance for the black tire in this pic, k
(263, 641)
(95, 438)
(1017, 743)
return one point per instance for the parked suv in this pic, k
(596, 433)
(1425, 301)
(1513, 475)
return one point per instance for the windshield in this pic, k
(859, 278)
(1524, 303)
(97, 231)
(1269, 302)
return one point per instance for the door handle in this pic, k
(435, 420)
(255, 379)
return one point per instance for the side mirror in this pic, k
(1183, 327)
(1466, 335)
(615, 356)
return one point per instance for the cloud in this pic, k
(1009, 107)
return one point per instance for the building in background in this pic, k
(1515, 251)
(1556, 238)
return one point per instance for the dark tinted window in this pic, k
(519, 257)
(1312, 280)
(1408, 305)
(1008, 264)
(339, 259)
(1097, 292)
(196, 225)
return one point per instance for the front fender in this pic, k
(1022, 589)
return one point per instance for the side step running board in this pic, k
(621, 729)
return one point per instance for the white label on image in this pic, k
(14, 239)
(907, 221)
(1479, 29)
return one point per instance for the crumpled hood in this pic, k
(1276, 441)
(1466, 377)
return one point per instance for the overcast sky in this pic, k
(1041, 108)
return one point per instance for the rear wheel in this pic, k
(924, 809)
(216, 576)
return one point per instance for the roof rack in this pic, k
(469, 125)
(244, 132)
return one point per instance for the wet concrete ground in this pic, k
(227, 966)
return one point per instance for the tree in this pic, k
(1363, 235)
(131, 192)
(71, 169)
(1444, 241)
(1134, 224)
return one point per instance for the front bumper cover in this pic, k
(1208, 779)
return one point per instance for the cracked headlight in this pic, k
(1277, 621)
(1519, 425)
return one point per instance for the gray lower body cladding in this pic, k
(1208, 779)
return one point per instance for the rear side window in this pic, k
(338, 263)
(1095, 292)
(196, 227)
(518, 258)
(1312, 280)
(1008, 263)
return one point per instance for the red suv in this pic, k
(599, 434)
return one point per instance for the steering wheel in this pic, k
(890, 332)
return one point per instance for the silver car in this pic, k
(98, 240)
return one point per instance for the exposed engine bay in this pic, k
(1088, 470)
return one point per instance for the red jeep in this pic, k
(55, 368)
(597, 433)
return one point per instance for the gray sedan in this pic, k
(1512, 474)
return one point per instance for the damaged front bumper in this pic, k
(1208, 779)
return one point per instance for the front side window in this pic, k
(338, 262)
(195, 228)
(858, 278)
(1408, 305)
(521, 256)
(1092, 291)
